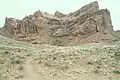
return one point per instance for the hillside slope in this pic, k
(23, 61)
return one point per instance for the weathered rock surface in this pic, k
(76, 27)
(59, 14)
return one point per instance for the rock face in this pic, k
(76, 27)
(59, 14)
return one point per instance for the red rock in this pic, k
(79, 25)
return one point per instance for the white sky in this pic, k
(20, 8)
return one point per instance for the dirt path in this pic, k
(30, 72)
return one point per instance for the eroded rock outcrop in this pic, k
(59, 14)
(75, 27)
(90, 8)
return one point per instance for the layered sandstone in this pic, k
(88, 24)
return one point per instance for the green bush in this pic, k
(116, 71)
(57, 42)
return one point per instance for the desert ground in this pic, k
(25, 61)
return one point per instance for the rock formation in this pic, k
(88, 24)
(59, 14)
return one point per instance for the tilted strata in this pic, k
(88, 24)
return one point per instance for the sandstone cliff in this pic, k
(88, 24)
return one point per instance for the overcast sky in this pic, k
(20, 8)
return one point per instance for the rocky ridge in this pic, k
(85, 25)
